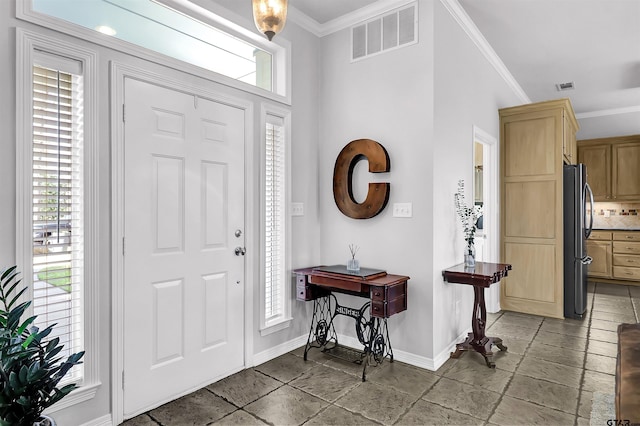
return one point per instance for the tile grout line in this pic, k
(506, 387)
(440, 376)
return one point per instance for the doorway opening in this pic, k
(485, 194)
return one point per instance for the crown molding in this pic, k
(346, 21)
(461, 17)
(606, 112)
(305, 21)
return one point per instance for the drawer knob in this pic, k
(377, 293)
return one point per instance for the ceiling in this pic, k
(593, 43)
(327, 10)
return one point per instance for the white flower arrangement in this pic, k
(468, 215)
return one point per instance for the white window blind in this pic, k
(57, 208)
(275, 220)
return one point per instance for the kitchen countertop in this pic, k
(616, 229)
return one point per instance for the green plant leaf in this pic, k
(30, 363)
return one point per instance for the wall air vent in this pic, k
(565, 86)
(393, 30)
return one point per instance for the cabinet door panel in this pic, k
(597, 158)
(531, 148)
(529, 209)
(626, 177)
(534, 279)
(600, 252)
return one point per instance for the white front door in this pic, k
(184, 216)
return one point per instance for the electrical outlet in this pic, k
(297, 209)
(402, 210)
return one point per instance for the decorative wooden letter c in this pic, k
(378, 194)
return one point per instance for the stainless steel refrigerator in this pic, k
(578, 222)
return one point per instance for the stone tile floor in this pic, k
(548, 376)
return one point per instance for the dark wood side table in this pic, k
(480, 277)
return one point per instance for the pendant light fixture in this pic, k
(269, 16)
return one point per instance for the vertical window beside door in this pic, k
(57, 197)
(276, 308)
(57, 207)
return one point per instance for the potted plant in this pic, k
(30, 365)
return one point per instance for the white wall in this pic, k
(305, 229)
(468, 92)
(388, 98)
(304, 145)
(421, 103)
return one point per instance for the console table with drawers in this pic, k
(386, 294)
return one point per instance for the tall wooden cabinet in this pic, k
(535, 141)
(612, 167)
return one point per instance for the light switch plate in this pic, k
(402, 210)
(297, 209)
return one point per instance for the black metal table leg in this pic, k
(322, 330)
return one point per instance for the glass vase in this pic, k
(470, 256)
(353, 265)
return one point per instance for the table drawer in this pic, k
(625, 273)
(382, 293)
(600, 235)
(626, 236)
(629, 260)
(627, 248)
(306, 292)
(381, 309)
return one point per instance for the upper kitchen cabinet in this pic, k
(597, 158)
(535, 142)
(612, 167)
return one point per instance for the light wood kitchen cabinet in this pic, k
(599, 247)
(612, 167)
(535, 141)
(597, 158)
(616, 256)
(625, 178)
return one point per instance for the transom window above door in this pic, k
(170, 28)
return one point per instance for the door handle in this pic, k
(240, 251)
(586, 260)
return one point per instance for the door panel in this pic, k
(184, 285)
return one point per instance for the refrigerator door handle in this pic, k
(587, 232)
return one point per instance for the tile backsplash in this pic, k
(616, 216)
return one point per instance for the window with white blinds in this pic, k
(274, 220)
(275, 291)
(57, 206)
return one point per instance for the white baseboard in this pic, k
(276, 351)
(443, 356)
(431, 364)
(406, 357)
(100, 421)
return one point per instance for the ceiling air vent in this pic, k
(565, 86)
(384, 33)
